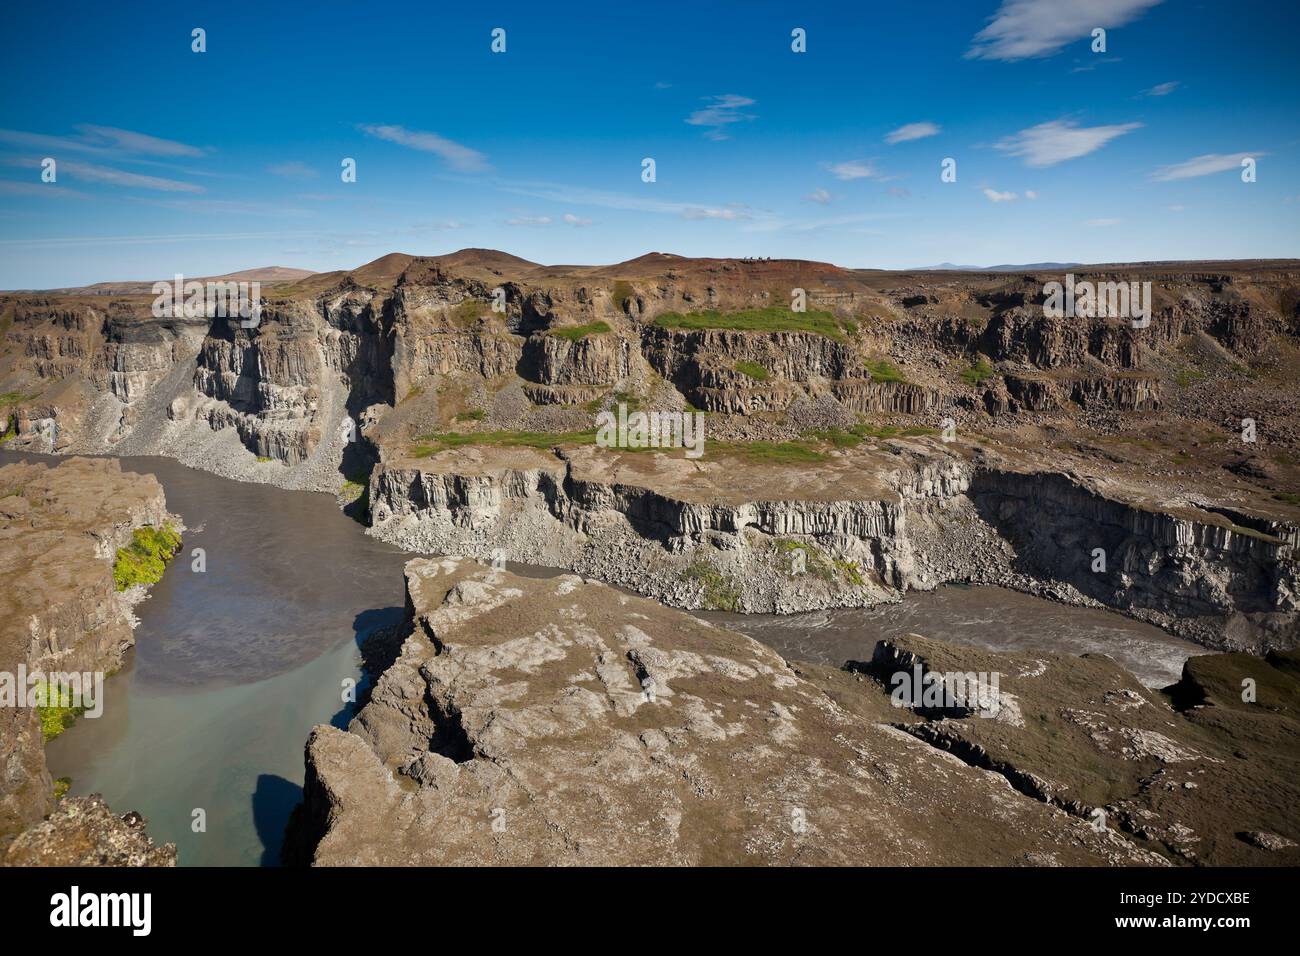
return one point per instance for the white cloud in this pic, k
(1050, 143)
(573, 220)
(729, 214)
(133, 142)
(529, 221)
(722, 111)
(118, 177)
(912, 131)
(1021, 29)
(1162, 89)
(44, 190)
(1030, 194)
(822, 196)
(457, 156)
(1202, 166)
(1176, 208)
(995, 196)
(1103, 222)
(292, 170)
(853, 169)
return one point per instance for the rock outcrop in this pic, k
(557, 721)
(60, 530)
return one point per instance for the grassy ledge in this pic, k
(773, 318)
(574, 333)
(145, 558)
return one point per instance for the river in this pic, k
(234, 664)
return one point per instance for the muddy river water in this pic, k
(235, 664)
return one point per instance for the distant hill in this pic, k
(1024, 267)
(266, 275)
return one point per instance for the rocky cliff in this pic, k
(437, 382)
(557, 721)
(526, 721)
(60, 531)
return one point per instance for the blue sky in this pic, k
(201, 163)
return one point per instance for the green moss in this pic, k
(1290, 497)
(1188, 376)
(145, 558)
(720, 594)
(441, 441)
(59, 713)
(753, 370)
(473, 415)
(11, 429)
(575, 332)
(978, 373)
(467, 313)
(264, 458)
(622, 292)
(769, 452)
(61, 787)
(773, 318)
(818, 563)
(884, 370)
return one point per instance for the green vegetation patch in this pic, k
(857, 434)
(884, 370)
(473, 415)
(769, 452)
(978, 373)
(59, 713)
(441, 441)
(575, 333)
(622, 292)
(818, 563)
(753, 370)
(467, 313)
(720, 594)
(773, 318)
(145, 558)
(11, 429)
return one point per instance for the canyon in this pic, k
(905, 432)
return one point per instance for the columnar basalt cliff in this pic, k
(60, 532)
(436, 381)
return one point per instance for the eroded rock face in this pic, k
(60, 529)
(557, 721)
(1195, 772)
(83, 831)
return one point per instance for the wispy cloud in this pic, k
(721, 112)
(730, 214)
(89, 172)
(911, 131)
(573, 220)
(1050, 143)
(1097, 223)
(454, 154)
(822, 196)
(1202, 166)
(995, 196)
(853, 169)
(1162, 89)
(293, 169)
(530, 221)
(1030, 194)
(43, 190)
(1021, 29)
(102, 141)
